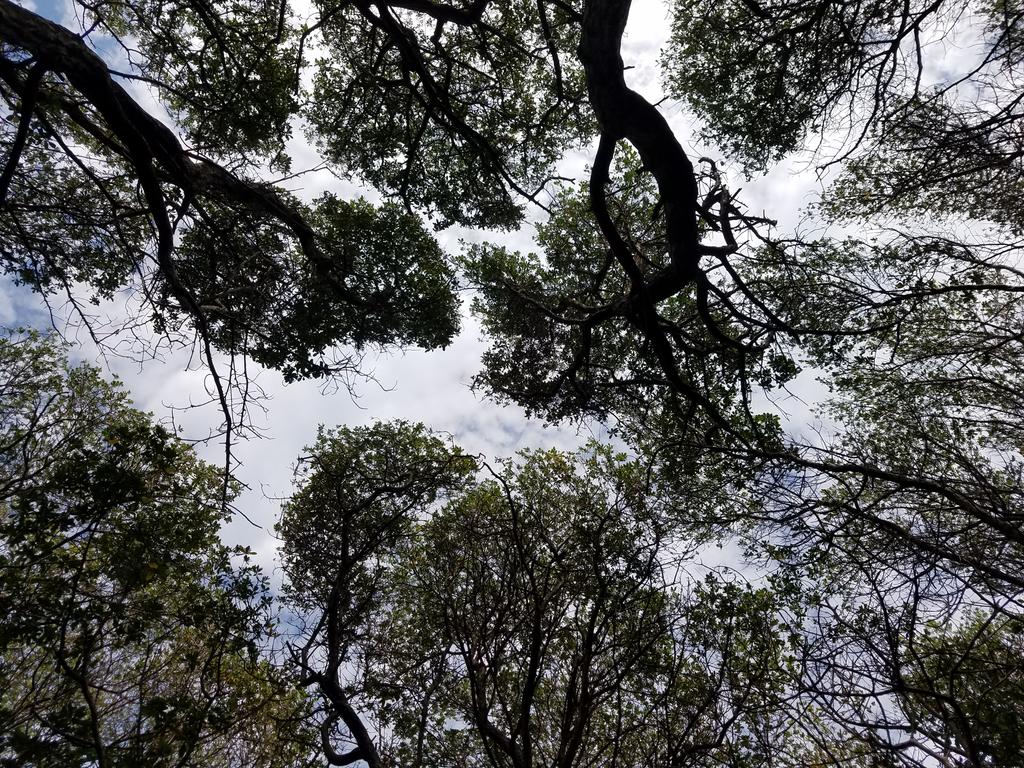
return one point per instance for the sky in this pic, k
(433, 388)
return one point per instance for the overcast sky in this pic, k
(434, 387)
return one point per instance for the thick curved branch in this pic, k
(599, 206)
(624, 114)
(28, 103)
(333, 756)
(463, 16)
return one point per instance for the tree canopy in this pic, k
(129, 634)
(549, 610)
(534, 617)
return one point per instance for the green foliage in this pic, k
(562, 345)
(57, 233)
(452, 119)
(229, 68)
(965, 686)
(359, 492)
(762, 81)
(942, 157)
(128, 633)
(532, 616)
(544, 612)
(104, 200)
(923, 131)
(387, 283)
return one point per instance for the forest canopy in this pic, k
(552, 608)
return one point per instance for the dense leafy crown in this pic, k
(129, 635)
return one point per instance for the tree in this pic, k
(964, 687)
(96, 190)
(361, 492)
(129, 635)
(532, 618)
(923, 687)
(765, 75)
